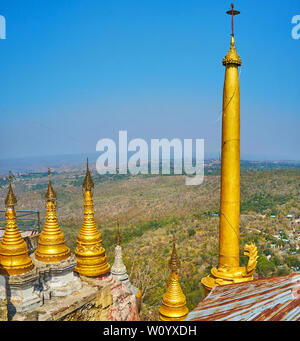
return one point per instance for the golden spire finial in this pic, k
(90, 254)
(88, 183)
(14, 259)
(232, 12)
(174, 262)
(173, 306)
(51, 245)
(232, 56)
(50, 195)
(11, 199)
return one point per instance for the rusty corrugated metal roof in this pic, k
(268, 299)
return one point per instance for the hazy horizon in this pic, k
(34, 163)
(245, 157)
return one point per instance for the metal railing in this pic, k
(27, 220)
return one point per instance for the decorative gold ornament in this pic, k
(90, 254)
(51, 245)
(14, 259)
(232, 56)
(173, 306)
(229, 270)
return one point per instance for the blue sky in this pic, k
(73, 72)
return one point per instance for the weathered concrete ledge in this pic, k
(57, 279)
(99, 299)
(21, 292)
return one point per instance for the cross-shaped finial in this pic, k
(232, 12)
(49, 174)
(9, 177)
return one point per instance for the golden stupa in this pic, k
(14, 259)
(229, 270)
(90, 254)
(173, 306)
(51, 245)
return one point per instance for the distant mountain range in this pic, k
(64, 162)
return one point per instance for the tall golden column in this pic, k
(173, 306)
(229, 270)
(51, 245)
(14, 259)
(90, 254)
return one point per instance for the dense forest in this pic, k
(150, 209)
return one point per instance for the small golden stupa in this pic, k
(51, 245)
(173, 306)
(14, 259)
(89, 252)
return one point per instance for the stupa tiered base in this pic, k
(91, 266)
(58, 279)
(22, 292)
